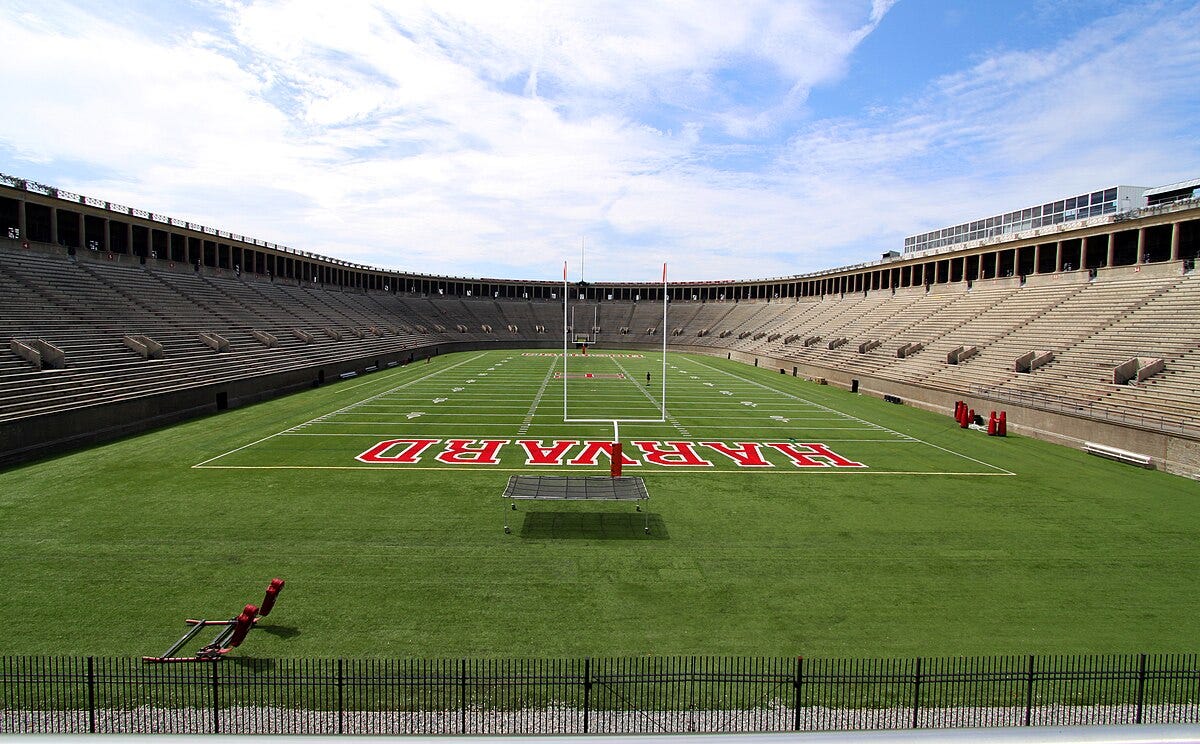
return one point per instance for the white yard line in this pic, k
(854, 418)
(537, 399)
(346, 408)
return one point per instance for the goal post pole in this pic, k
(565, 340)
(664, 345)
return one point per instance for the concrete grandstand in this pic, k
(117, 319)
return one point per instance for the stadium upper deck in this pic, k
(1162, 232)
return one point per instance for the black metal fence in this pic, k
(621, 695)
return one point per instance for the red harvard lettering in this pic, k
(410, 454)
(460, 452)
(592, 450)
(809, 455)
(672, 454)
(537, 453)
(745, 454)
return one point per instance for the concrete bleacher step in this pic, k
(1090, 327)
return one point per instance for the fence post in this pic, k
(91, 689)
(796, 682)
(916, 693)
(1029, 693)
(216, 695)
(340, 685)
(462, 696)
(587, 692)
(1141, 687)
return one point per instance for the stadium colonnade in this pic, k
(117, 319)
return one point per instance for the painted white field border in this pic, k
(856, 472)
(333, 413)
(1001, 470)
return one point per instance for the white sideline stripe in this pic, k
(855, 418)
(812, 403)
(435, 413)
(564, 435)
(426, 401)
(656, 471)
(440, 406)
(306, 423)
(460, 395)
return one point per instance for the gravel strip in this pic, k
(266, 720)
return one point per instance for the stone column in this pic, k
(54, 225)
(1141, 246)
(1058, 262)
(1174, 241)
(1112, 249)
(22, 221)
(1037, 258)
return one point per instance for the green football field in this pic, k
(784, 518)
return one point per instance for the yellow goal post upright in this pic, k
(616, 422)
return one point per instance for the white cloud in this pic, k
(459, 138)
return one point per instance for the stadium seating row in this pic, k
(1084, 328)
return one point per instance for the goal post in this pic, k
(568, 338)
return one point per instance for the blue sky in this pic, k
(731, 140)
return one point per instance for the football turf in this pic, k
(904, 536)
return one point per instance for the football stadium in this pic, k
(985, 448)
(556, 369)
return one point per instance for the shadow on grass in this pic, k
(279, 631)
(571, 525)
(251, 663)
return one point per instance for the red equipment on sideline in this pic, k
(614, 470)
(991, 432)
(233, 631)
(1002, 424)
(273, 590)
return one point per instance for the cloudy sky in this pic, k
(731, 139)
